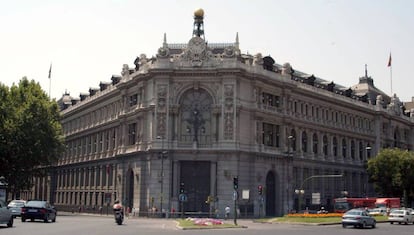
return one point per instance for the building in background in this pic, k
(179, 130)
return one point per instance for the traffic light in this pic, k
(235, 182)
(260, 189)
(182, 187)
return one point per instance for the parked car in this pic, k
(15, 207)
(358, 218)
(401, 216)
(6, 216)
(42, 210)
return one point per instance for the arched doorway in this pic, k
(129, 195)
(270, 194)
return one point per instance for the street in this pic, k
(105, 225)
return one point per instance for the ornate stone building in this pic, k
(199, 114)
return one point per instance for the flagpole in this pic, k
(50, 85)
(50, 80)
(391, 78)
(390, 65)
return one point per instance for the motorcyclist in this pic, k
(118, 208)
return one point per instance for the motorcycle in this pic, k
(119, 216)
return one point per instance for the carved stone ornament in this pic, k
(163, 52)
(229, 52)
(196, 51)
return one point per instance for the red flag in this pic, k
(389, 61)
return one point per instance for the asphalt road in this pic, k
(105, 225)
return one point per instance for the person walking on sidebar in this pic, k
(227, 211)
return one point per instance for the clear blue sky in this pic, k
(89, 40)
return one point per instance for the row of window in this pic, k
(351, 121)
(100, 115)
(85, 177)
(311, 144)
(320, 113)
(90, 144)
(94, 199)
(99, 142)
(108, 112)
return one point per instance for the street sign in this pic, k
(316, 198)
(182, 197)
(246, 194)
(235, 195)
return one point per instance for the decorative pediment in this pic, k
(196, 52)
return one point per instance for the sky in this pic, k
(88, 41)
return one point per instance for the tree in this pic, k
(31, 136)
(392, 172)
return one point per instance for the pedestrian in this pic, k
(227, 211)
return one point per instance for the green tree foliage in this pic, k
(392, 172)
(31, 136)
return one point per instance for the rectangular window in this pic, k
(89, 144)
(133, 100)
(271, 134)
(107, 140)
(113, 138)
(98, 176)
(101, 136)
(132, 130)
(270, 100)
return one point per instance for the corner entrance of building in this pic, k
(270, 194)
(196, 178)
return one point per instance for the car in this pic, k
(378, 211)
(401, 216)
(15, 207)
(38, 209)
(6, 216)
(358, 218)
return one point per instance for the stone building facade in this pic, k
(173, 132)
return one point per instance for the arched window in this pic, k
(304, 142)
(353, 149)
(325, 145)
(396, 138)
(195, 117)
(293, 141)
(344, 147)
(361, 151)
(335, 146)
(315, 143)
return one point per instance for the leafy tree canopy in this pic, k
(392, 172)
(30, 133)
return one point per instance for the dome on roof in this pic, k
(199, 12)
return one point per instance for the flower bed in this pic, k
(205, 221)
(321, 215)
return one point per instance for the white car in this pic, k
(6, 216)
(15, 207)
(401, 216)
(378, 211)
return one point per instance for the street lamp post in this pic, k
(300, 193)
(288, 166)
(368, 148)
(197, 121)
